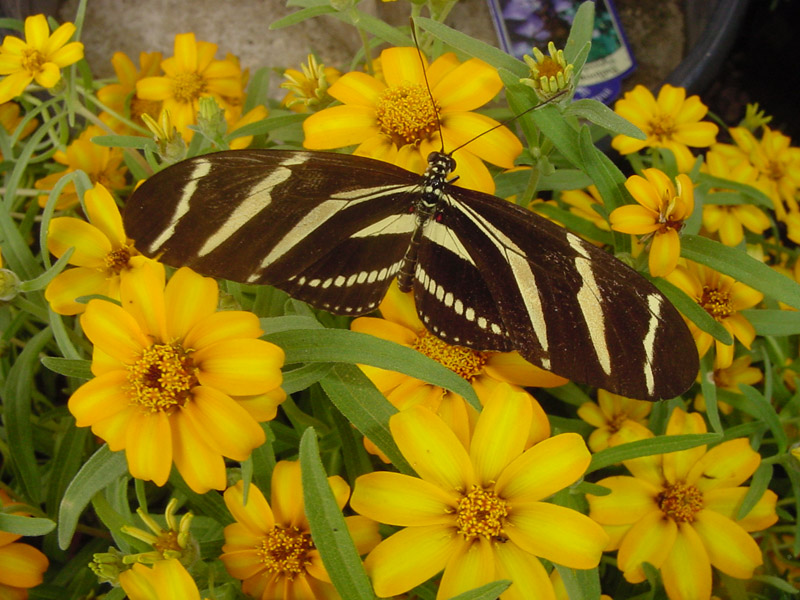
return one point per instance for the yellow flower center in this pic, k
(117, 260)
(406, 113)
(188, 87)
(548, 68)
(716, 303)
(33, 61)
(661, 127)
(162, 379)
(462, 361)
(680, 502)
(167, 540)
(774, 170)
(481, 513)
(285, 550)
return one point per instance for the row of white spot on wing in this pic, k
(340, 281)
(456, 305)
(202, 167)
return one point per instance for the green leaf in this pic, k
(296, 380)
(661, 444)
(741, 267)
(746, 194)
(600, 114)
(773, 321)
(469, 45)
(302, 15)
(354, 395)
(266, 125)
(328, 527)
(580, 583)
(102, 468)
(122, 141)
(17, 416)
(766, 413)
(27, 526)
(580, 34)
(345, 346)
(490, 591)
(758, 485)
(81, 369)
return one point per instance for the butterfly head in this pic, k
(440, 165)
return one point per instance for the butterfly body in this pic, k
(334, 230)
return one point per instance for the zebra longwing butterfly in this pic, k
(334, 230)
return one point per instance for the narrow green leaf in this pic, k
(304, 14)
(773, 321)
(779, 583)
(122, 141)
(80, 369)
(365, 407)
(345, 346)
(102, 468)
(16, 401)
(490, 591)
(209, 505)
(328, 527)
(741, 267)
(766, 413)
(600, 114)
(380, 29)
(746, 194)
(661, 444)
(469, 45)
(304, 377)
(555, 128)
(581, 584)
(45, 278)
(758, 485)
(27, 526)
(267, 125)
(65, 464)
(288, 322)
(580, 34)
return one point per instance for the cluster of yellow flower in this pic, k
(181, 375)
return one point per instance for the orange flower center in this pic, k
(548, 68)
(163, 377)
(661, 127)
(462, 361)
(188, 87)
(680, 502)
(481, 513)
(285, 550)
(406, 113)
(117, 260)
(774, 170)
(716, 303)
(33, 61)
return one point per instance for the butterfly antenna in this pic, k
(427, 85)
(511, 119)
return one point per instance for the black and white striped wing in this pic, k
(564, 304)
(326, 228)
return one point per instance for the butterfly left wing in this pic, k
(564, 304)
(327, 228)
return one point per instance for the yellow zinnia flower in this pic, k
(308, 87)
(103, 253)
(678, 512)
(611, 414)
(477, 511)
(394, 120)
(776, 160)
(729, 220)
(661, 211)
(39, 56)
(121, 97)
(175, 380)
(270, 548)
(101, 163)
(21, 566)
(166, 580)
(671, 121)
(483, 370)
(191, 74)
(722, 298)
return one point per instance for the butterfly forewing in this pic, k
(324, 227)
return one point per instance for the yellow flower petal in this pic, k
(104, 214)
(687, 572)
(90, 243)
(357, 89)
(68, 285)
(222, 325)
(410, 557)
(142, 294)
(256, 515)
(499, 146)
(665, 252)
(99, 398)
(287, 495)
(729, 547)
(650, 540)
(542, 470)
(202, 468)
(432, 447)
(148, 446)
(21, 566)
(525, 570)
(728, 464)
(241, 367)
(339, 126)
(630, 500)
(402, 66)
(471, 566)
(401, 500)
(189, 299)
(467, 87)
(114, 330)
(37, 31)
(556, 533)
